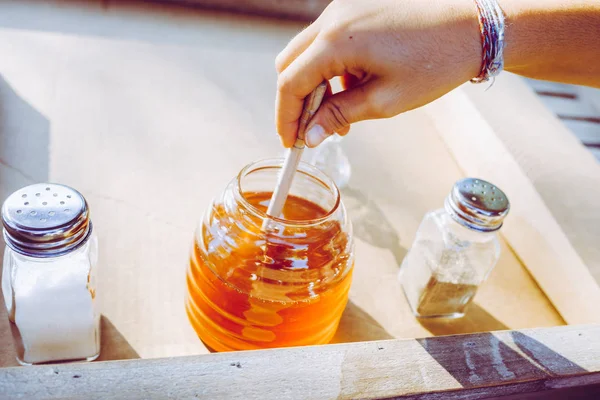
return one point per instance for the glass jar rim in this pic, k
(303, 168)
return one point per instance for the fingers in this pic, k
(300, 78)
(340, 110)
(295, 47)
(349, 81)
(344, 131)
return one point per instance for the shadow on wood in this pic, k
(589, 392)
(484, 359)
(370, 224)
(307, 10)
(114, 345)
(146, 20)
(550, 361)
(357, 325)
(24, 141)
(479, 366)
(475, 320)
(8, 354)
(24, 138)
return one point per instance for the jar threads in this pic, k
(286, 286)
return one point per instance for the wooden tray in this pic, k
(149, 111)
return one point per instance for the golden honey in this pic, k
(249, 287)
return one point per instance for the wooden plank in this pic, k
(466, 366)
(178, 120)
(551, 180)
(579, 393)
(302, 10)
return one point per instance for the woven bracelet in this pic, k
(491, 23)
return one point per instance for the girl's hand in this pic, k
(393, 56)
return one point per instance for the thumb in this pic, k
(339, 111)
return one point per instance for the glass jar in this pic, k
(331, 158)
(286, 285)
(454, 251)
(48, 277)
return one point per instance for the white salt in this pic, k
(54, 309)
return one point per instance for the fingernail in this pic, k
(315, 136)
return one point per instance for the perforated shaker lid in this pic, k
(45, 220)
(477, 204)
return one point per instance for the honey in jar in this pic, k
(252, 284)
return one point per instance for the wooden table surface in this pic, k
(150, 110)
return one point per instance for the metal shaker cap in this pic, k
(477, 204)
(45, 220)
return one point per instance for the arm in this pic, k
(557, 40)
(397, 55)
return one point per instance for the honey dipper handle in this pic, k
(311, 106)
(284, 183)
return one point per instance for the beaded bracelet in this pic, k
(491, 23)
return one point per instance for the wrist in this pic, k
(529, 23)
(518, 50)
(466, 22)
(491, 20)
(549, 39)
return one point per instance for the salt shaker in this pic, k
(455, 249)
(48, 277)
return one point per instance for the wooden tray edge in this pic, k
(483, 365)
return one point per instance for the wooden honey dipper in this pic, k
(290, 165)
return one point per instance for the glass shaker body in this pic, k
(260, 282)
(454, 251)
(330, 158)
(49, 275)
(445, 265)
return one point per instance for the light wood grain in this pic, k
(453, 367)
(560, 169)
(148, 113)
(494, 148)
(304, 10)
(145, 111)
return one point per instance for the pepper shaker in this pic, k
(454, 251)
(48, 277)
